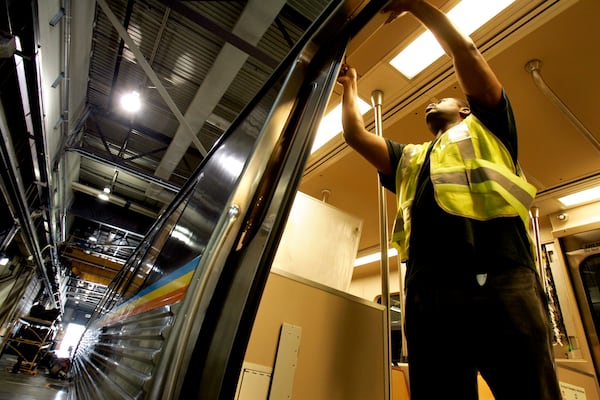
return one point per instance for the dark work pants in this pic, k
(455, 327)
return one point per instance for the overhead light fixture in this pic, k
(104, 194)
(3, 259)
(376, 256)
(131, 102)
(584, 196)
(93, 239)
(331, 124)
(468, 16)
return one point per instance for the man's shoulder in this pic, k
(481, 110)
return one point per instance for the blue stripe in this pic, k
(190, 266)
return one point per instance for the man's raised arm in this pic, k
(475, 76)
(372, 147)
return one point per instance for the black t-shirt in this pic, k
(448, 246)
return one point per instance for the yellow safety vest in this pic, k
(473, 176)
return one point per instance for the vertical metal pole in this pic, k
(534, 214)
(376, 101)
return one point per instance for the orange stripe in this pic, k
(168, 298)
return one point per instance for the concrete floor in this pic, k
(24, 386)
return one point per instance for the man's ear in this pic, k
(464, 112)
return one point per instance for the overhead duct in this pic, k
(126, 168)
(114, 199)
(17, 199)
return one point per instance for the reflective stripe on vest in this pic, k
(407, 174)
(473, 176)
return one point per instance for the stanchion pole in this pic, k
(376, 101)
(534, 214)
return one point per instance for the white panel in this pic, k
(253, 383)
(572, 392)
(285, 363)
(319, 243)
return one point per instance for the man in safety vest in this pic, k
(474, 302)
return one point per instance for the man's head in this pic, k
(445, 113)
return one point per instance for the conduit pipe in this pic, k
(17, 199)
(376, 101)
(125, 168)
(534, 67)
(61, 167)
(114, 199)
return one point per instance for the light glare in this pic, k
(369, 258)
(331, 124)
(70, 339)
(581, 197)
(468, 16)
(131, 102)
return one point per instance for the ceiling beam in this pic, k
(233, 38)
(257, 17)
(151, 75)
(123, 166)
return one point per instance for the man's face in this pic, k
(446, 106)
(446, 111)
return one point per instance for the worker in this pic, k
(474, 302)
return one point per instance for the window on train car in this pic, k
(590, 277)
(561, 341)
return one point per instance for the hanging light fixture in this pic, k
(3, 259)
(131, 102)
(105, 194)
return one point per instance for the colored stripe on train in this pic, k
(167, 290)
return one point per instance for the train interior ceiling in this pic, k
(83, 180)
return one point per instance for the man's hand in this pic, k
(347, 76)
(372, 147)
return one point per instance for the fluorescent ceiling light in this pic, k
(369, 258)
(331, 124)
(581, 197)
(103, 196)
(468, 16)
